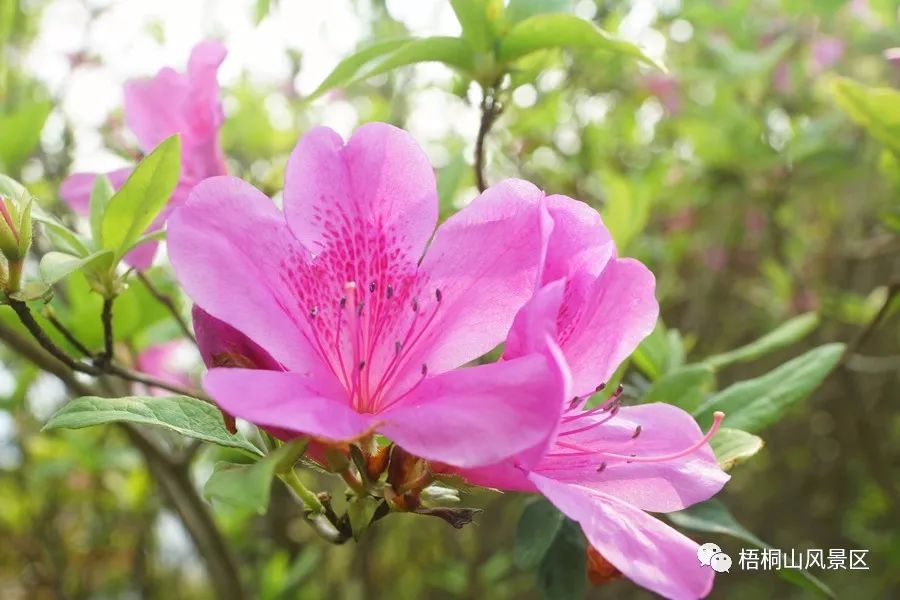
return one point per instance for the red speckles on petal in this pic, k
(356, 292)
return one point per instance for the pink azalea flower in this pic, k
(825, 52)
(187, 104)
(605, 466)
(368, 331)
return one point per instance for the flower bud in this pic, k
(15, 238)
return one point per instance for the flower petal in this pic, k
(481, 415)
(657, 486)
(604, 321)
(153, 107)
(643, 548)
(287, 402)
(485, 260)
(76, 188)
(380, 181)
(222, 345)
(230, 248)
(579, 240)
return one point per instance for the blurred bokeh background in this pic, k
(736, 177)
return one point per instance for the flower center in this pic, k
(365, 307)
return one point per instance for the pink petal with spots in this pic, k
(233, 252)
(378, 189)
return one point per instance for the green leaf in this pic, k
(542, 32)
(453, 52)
(537, 528)
(732, 446)
(875, 109)
(685, 387)
(519, 10)
(562, 574)
(784, 335)
(101, 193)
(388, 55)
(756, 403)
(347, 69)
(182, 414)
(472, 17)
(62, 237)
(713, 516)
(146, 191)
(360, 511)
(652, 355)
(21, 132)
(247, 485)
(57, 265)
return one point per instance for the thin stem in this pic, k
(101, 368)
(309, 499)
(106, 317)
(490, 110)
(169, 303)
(64, 331)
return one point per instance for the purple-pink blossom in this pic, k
(605, 466)
(170, 103)
(367, 327)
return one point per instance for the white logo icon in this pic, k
(710, 555)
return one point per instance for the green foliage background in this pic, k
(755, 186)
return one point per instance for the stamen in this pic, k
(343, 302)
(372, 287)
(313, 312)
(602, 467)
(415, 305)
(390, 291)
(424, 369)
(362, 365)
(637, 432)
(438, 295)
(717, 420)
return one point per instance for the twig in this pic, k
(490, 110)
(96, 369)
(169, 303)
(106, 317)
(865, 334)
(64, 331)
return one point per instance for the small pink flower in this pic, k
(605, 466)
(187, 104)
(368, 333)
(666, 89)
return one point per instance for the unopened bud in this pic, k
(15, 238)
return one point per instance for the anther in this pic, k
(438, 295)
(415, 305)
(362, 365)
(637, 432)
(424, 370)
(600, 387)
(313, 312)
(359, 308)
(398, 346)
(372, 287)
(602, 467)
(343, 302)
(390, 291)
(575, 402)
